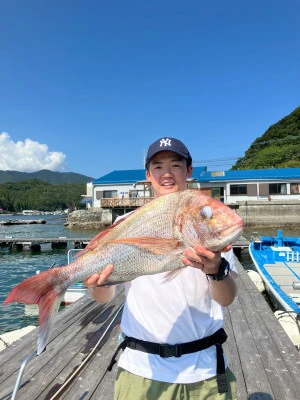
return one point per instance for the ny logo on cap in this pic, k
(165, 142)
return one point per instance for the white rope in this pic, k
(87, 358)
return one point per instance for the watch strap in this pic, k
(223, 271)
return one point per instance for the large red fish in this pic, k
(149, 241)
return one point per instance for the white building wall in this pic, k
(233, 199)
(230, 199)
(122, 190)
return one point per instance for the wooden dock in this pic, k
(25, 243)
(73, 367)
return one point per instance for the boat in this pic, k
(77, 290)
(277, 260)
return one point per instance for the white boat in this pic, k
(77, 290)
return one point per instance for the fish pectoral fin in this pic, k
(172, 274)
(155, 245)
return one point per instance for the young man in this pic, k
(185, 311)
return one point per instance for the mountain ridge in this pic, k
(55, 178)
(278, 147)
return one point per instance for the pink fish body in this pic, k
(148, 241)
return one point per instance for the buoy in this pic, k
(256, 279)
(290, 326)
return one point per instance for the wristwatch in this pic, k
(223, 271)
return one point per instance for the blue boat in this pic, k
(277, 260)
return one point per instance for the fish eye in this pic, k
(206, 213)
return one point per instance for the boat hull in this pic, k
(277, 260)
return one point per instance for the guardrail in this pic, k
(125, 202)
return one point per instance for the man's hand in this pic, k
(206, 260)
(209, 262)
(98, 279)
(96, 285)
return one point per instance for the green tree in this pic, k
(278, 147)
(39, 195)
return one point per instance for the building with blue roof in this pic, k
(259, 184)
(228, 186)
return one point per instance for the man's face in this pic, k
(168, 173)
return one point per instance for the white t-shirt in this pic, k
(177, 311)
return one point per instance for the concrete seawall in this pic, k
(270, 213)
(254, 213)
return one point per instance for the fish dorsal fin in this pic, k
(155, 245)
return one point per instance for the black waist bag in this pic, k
(177, 350)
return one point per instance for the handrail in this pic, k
(21, 371)
(124, 202)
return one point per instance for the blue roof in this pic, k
(202, 175)
(251, 174)
(134, 175)
(122, 176)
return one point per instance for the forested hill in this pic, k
(278, 147)
(55, 178)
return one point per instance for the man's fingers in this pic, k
(91, 281)
(99, 279)
(105, 274)
(227, 248)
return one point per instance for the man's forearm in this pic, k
(224, 291)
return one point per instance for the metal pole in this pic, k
(21, 371)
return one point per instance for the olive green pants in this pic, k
(133, 387)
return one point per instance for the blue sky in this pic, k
(87, 86)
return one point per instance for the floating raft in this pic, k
(23, 221)
(26, 244)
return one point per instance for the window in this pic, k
(110, 194)
(277, 188)
(295, 188)
(238, 190)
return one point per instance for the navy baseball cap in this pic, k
(168, 144)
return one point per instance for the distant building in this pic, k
(127, 189)
(260, 184)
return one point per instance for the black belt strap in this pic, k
(177, 350)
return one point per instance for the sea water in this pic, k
(15, 266)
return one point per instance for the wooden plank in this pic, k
(67, 349)
(233, 358)
(259, 352)
(253, 370)
(95, 381)
(278, 361)
(268, 359)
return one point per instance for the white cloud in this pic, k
(28, 156)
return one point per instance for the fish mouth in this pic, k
(227, 236)
(234, 229)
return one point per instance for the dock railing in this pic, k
(125, 202)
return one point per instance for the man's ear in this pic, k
(189, 171)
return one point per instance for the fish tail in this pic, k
(42, 289)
